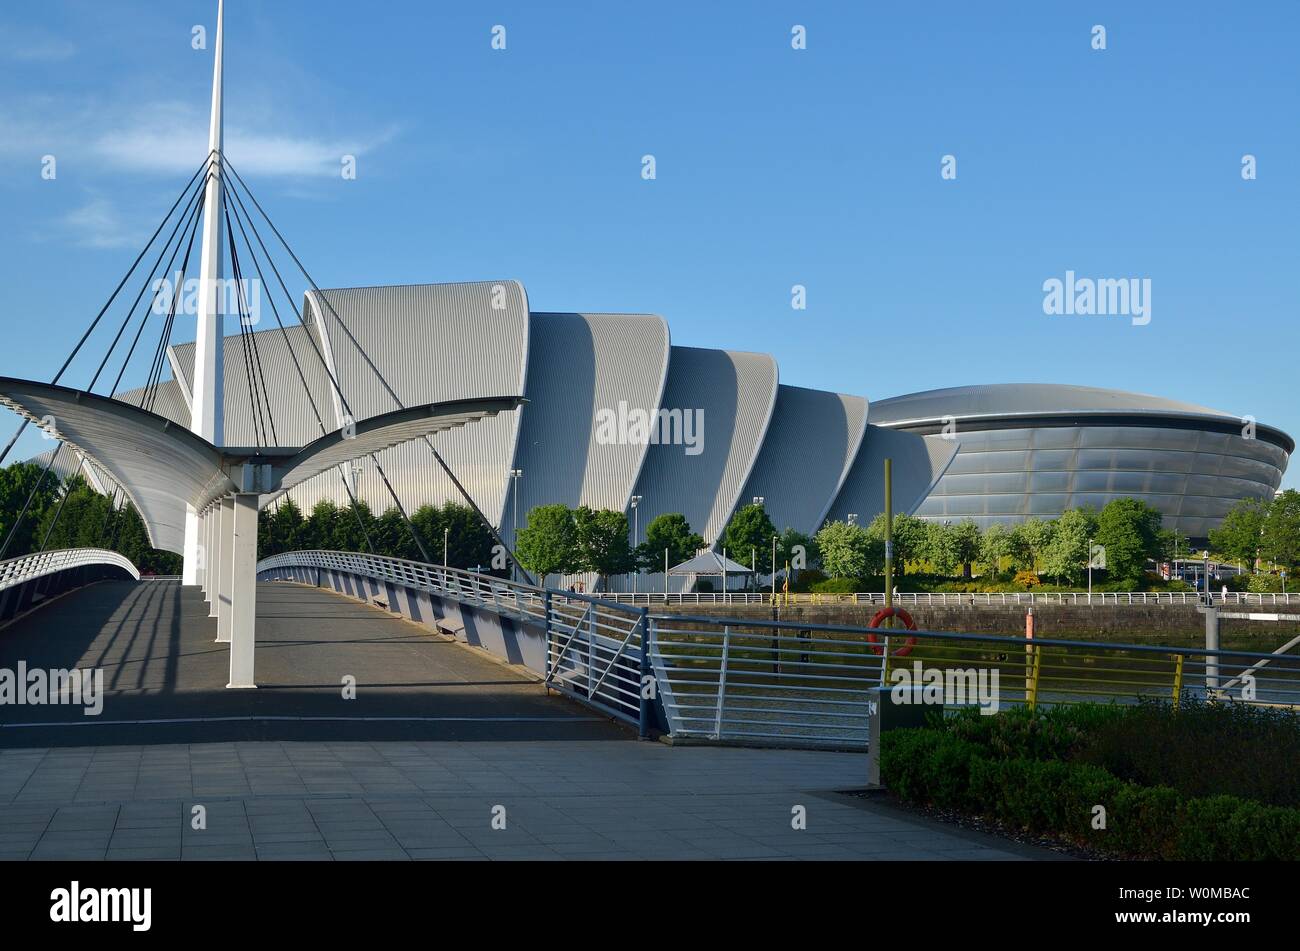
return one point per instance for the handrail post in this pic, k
(647, 678)
(546, 626)
(1178, 679)
(722, 681)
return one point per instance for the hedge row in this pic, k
(1049, 797)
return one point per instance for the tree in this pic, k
(669, 531)
(1029, 543)
(750, 529)
(391, 536)
(548, 544)
(603, 543)
(1066, 555)
(17, 482)
(940, 547)
(1238, 537)
(469, 541)
(1130, 531)
(791, 545)
(748, 536)
(966, 545)
(1281, 539)
(849, 551)
(910, 538)
(994, 546)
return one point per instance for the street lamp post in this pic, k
(516, 475)
(446, 531)
(636, 531)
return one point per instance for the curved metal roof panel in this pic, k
(432, 343)
(918, 464)
(1014, 399)
(811, 443)
(579, 365)
(732, 395)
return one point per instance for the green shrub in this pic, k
(836, 586)
(940, 767)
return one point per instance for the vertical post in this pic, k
(591, 650)
(1178, 679)
(546, 627)
(889, 538)
(665, 576)
(722, 682)
(647, 704)
(243, 590)
(224, 581)
(1211, 644)
(774, 569)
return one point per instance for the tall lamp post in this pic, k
(446, 531)
(636, 531)
(515, 475)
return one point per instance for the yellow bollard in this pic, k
(1178, 679)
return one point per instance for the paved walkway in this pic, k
(440, 741)
(165, 676)
(436, 800)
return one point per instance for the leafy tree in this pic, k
(749, 531)
(1281, 539)
(940, 547)
(16, 482)
(994, 546)
(911, 536)
(788, 547)
(1238, 537)
(1130, 531)
(1066, 555)
(1029, 543)
(279, 528)
(849, 551)
(548, 544)
(603, 543)
(669, 531)
(392, 537)
(966, 545)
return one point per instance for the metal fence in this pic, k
(510, 598)
(801, 684)
(596, 652)
(955, 599)
(16, 571)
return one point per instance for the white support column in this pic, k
(225, 577)
(202, 577)
(216, 550)
(243, 635)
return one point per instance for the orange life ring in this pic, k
(908, 624)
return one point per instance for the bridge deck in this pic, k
(165, 676)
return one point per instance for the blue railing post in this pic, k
(546, 627)
(647, 703)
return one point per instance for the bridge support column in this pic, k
(243, 591)
(222, 602)
(206, 550)
(215, 547)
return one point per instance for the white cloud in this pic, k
(97, 224)
(36, 46)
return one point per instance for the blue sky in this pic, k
(775, 167)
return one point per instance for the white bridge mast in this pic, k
(206, 412)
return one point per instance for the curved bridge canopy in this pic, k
(164, 467)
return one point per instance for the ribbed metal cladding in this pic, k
(431, 343)
(810, 446)
(579, 365)
(918, 463)
(169, 401)
(736, 393)
(290, 408)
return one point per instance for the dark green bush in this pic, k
(935, 766)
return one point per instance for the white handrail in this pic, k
(24, 568)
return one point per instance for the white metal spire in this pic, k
(206, 412)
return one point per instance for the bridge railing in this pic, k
(807, 684)
(16, 571)
(960, 599)
(792, 683)
(470, 587)
(28, 580)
